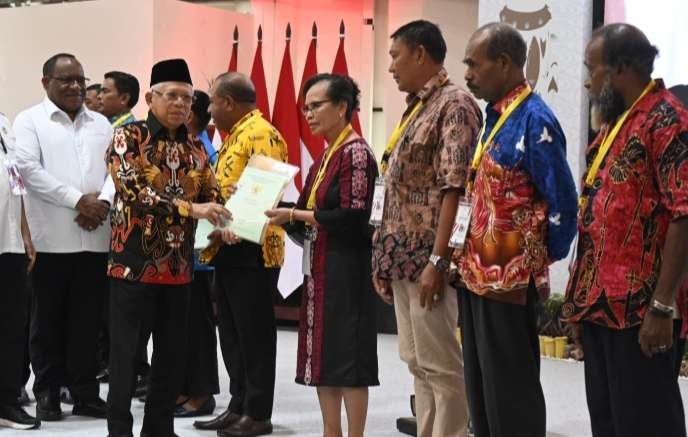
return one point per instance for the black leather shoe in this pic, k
(247, 427)
(48, 406)
(224, 420)
(14, 416)
(94, 408)
(206, 409)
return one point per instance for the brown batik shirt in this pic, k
(431, 156)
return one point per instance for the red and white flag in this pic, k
(284, 116)
(285, 119)
(235, 51)
(311, 145)
(217, 136)
(340, 67)
(258, 78)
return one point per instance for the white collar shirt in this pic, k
(61, 160)
(10, 205)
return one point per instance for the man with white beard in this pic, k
(633, 240)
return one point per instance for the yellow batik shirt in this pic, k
(252, 135)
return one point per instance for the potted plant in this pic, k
(553, 339)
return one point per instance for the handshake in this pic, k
(92, 211)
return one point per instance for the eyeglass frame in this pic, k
(310, 108)
(81, 81)
(192, 98)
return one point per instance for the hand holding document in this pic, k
(259, 188)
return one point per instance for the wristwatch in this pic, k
(441, 264)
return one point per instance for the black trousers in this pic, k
(201, 377)
(14, 301)
(104, 341)
(67, 298)
(136, 311)
(26, 370)
(629, 394)
(501, 355)
(248, 336)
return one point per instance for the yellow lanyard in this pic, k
(396, 135)
(400, 129)
(121, 120)
(325, 162)
(482, 146)
(608, 141)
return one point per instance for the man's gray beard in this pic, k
(595, 118)
(607, 107)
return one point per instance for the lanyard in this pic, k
(4, 147)
(121, 120)
(399, 131)
(482, 145)
(396, 134)
(325, 162)
(609, 138)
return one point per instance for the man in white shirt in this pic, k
(61, 147)
(16, 257)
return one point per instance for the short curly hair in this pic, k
(340, 89)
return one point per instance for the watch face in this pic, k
(441, 264)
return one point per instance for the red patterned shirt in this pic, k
(639, 189)
(524, 204)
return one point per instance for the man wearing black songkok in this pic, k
(163, 182)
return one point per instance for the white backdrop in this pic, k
(556, 32)
(126, 35)
(663, 21)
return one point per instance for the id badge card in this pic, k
(378, 208)
(307, 253)
(16, 182)
(461, 222)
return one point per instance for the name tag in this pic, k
(16, 182)
(378, 208)
(461, 222)
(307, 252)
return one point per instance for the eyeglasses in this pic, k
(68, 80)
(172, 97)
(313, 106)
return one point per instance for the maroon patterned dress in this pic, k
(337, 333)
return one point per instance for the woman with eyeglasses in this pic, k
(337, 349)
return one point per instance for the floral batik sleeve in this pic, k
(670, 147)
(458, 132)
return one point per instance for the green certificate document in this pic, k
(259, 188)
